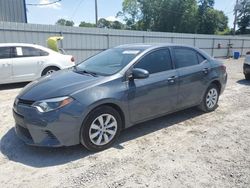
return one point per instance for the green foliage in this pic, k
(130, 13)
(86, 24)
(103, 23)
(212, 21)
(185, 16)
(64, 22)
(227, 31)
(244, 18)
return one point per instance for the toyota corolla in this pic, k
(113, 90)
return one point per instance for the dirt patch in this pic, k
(185, 149)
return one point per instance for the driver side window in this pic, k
(157, 61)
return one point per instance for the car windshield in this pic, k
(108, 62)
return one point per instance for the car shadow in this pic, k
(13, 86)
(15, 150)
(244, 82)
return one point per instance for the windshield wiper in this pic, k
(85, 72)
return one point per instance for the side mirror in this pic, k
(139, 73)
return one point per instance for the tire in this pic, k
(49, 70)
(96, 130)
(247, 76)
(210, 99)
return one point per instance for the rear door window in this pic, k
(185, 57)
(5, 52)
(29, 52)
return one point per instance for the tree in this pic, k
(211, 20)
(244, 17)
(86, 24)
(103, 23)
(183, 16)
(117, 25)
(130, 13)
(64, 22)
(178, 16)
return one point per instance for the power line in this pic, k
(43, 4)
(76, 9)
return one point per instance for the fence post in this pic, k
(61, 41)
(213, 43)
(242, 47)
(143, 38)
(108, 41)
(194, 42)
(172, 39)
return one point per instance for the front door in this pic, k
(157, 94)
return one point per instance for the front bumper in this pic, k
(246, 68)
(52, 129)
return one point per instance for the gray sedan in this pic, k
(113, 90)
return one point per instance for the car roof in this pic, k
(18, 44)
(145, 46)
(27, 45)
(151, 46)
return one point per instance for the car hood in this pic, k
(61, 83)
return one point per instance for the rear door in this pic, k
(193, 71)
(28, 63)
(5, 64)
(156, 94)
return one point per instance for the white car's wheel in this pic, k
(49, 70)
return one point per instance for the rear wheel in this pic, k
(210, 100)
(101, 128)
(247, 76)
(49, 70)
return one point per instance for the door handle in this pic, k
(172, 79)
(206, 70)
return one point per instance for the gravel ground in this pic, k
(185, 149)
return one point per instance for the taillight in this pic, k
(72, 59)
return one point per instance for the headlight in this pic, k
(52, 104)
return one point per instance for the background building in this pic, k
(13, 11)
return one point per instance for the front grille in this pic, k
(25, 132)
(25, 102)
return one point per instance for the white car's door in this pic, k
(5, 65)
(27, 63)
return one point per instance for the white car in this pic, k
(21, 62)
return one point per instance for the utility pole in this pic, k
(236, 8)
(96, 13)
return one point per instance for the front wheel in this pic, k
(210, 100)
(101, 128)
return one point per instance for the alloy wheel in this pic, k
(212, 97)
(103, 129)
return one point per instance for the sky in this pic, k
(84, 10)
